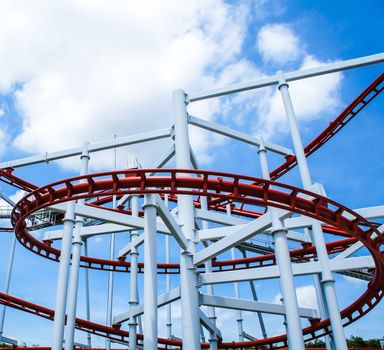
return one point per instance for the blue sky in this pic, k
(81, 70)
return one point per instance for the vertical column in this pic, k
(239, 315)
(75, 263)
(188, 277)
(110, 283)
(320, 297)
(62, 281)
(210, 288)
(87, 301)
(283, 259)
(150, 274)
(327, 280)
(7, 283)
(110, 274)
(134, 298)
(168, 278)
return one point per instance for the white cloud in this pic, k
(90, 70)
(277, 43)
(306, 297)
(312, 98)
(96, 70)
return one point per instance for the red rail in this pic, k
(361, 101)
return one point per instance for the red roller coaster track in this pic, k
(219, 187)
(227, 187)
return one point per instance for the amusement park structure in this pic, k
(206, 215)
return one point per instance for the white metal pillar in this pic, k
(168, 278)
(62, 281)
(7, 282)
(150, 273)
(283, 260)
(110, 283)
(327, 280)
(210, 287)
(239, 315)
(134, 298)
(188, 277)
(320, 297)
(87, 299)
(75, 264)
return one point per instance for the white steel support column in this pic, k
(320, 297)
(150, 273)
(110, 283)
(110, 274)
(75, 263)
(283, 260)
(239, 315)
(168, 278)
(210, 287)
(134, 297)
(188, 277)
(327, 280)
(87, 301)
(7, 282)
(62, 281)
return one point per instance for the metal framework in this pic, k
(205, 214)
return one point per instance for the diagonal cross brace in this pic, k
(238, 236)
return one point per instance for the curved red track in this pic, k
(232, 187)
(259, 193)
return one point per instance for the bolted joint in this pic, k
(327, 278)
(277, 231)
(282, 81)
(149, 201)
(79, 220)
(85, 151)
(133, 303)
(261, 146)
(77, 240)
(133, 322)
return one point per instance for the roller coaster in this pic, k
(207, 214)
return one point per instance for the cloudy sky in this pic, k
(87, 70)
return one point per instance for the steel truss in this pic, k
(180, 204)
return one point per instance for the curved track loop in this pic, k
(231, 187)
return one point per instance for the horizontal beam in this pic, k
(292, 76)
(253, 306)
(237, 135)
(271, 272)
(220, 232)
(138, 310)
(369, 213)
(88, 231)
(92, 147)
(211, 216)
(114, 217)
